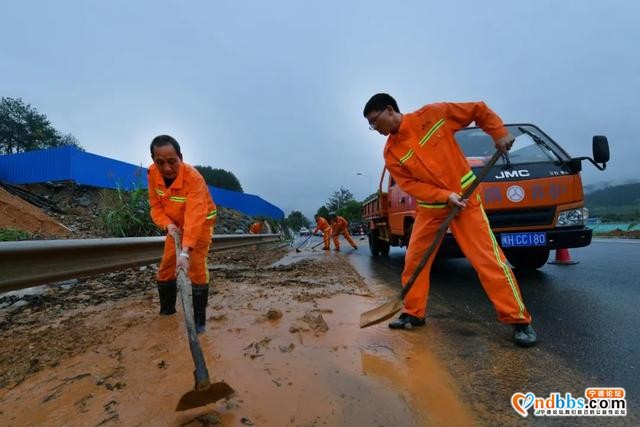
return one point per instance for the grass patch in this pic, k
(127, 214)
(13, 234)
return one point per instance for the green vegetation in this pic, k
(127, 214)
(220, 178)
(619, 203)
(13, 234)
(344, 204)
(296, 220)
(23, 128)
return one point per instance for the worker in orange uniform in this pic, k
(340, 227)
(323, 225)
(256, 227)
(180, 200)
(424, 159)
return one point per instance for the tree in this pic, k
(339, 199)
(323, 212)
(351, 211)
(296, 219)
(23, 128)
(220, 178)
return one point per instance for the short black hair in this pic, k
(163, 140)
(379, 102)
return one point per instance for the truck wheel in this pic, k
(384, 247)
(527, 259)
(374, 243)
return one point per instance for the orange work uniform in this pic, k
(323, 225)
(187, 204)
(426, 162)
(340, 226)
(256, 228)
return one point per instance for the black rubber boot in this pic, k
(406, 321)
(524, 335)
(167, 294)
(200, 298)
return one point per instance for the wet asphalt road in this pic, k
(587, 317)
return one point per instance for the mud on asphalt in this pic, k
(92, 345)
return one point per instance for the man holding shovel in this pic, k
(323, 225)
(424, 159)
(180, 200)
(340, 227)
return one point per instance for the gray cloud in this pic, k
(274, 90)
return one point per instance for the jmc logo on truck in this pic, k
(513, 174)
(534, 202)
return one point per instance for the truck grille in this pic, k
(522, 217)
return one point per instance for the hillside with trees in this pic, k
(615, 203)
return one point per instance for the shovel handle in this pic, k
(445, 224)
(318, 244)
(201, 373)
(305, 241)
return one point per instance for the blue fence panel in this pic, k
(70, 164)
(36, 166)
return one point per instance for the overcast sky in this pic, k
(274, 90)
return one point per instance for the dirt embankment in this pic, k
(80, 211)
(18, 214)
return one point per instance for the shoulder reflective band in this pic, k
(424, 140)
(466, 180)
(160, 192)
(212, 214)
(433, 130)
(178, 199)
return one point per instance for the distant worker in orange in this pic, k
(323, 225)
(180, 200)
(423, 157)
(256, 227)
(340, 227)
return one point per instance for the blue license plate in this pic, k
(518, 240)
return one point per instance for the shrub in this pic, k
(12, 234)
(127, 214)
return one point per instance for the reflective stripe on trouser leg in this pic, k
(424, 231)
(325, 237)
(474, 236)
(336, 240)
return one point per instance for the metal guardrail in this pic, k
(31, 263)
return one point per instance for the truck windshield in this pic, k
(531, 146)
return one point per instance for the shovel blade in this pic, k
(209, 394)
(380, 313)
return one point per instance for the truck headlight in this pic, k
(573, 217)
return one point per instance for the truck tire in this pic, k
(374, 243)
(527, 259)
(384, 248)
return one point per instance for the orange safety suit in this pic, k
(323, 225)
(340, 226)
(187, 204)
(426, 162)
(256, 228)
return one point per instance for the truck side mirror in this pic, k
(600, 149)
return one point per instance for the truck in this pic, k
(533, 198)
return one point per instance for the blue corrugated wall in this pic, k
(70, 164)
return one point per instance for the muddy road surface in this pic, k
(282, 330)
